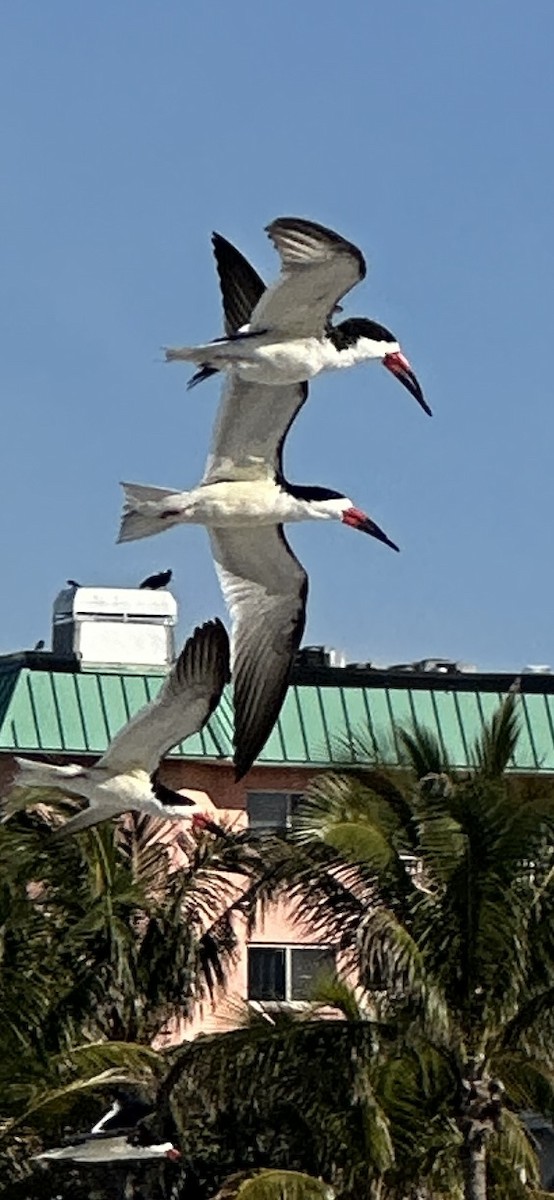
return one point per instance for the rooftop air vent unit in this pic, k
(319, 656)
(101, 625)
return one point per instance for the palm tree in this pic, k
(459, 938)
(281, 1093)
(103, 942)
(438, 890)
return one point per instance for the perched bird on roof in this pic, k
(289, 337)
(125, 778)
(119, 1136)
(244, 500)
(154, 582)
(73, 583)
(39, 645)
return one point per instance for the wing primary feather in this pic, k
(318, 268)
(205, 659)
(183, 705)
(259, 696)
(241, 286)
(296, 239)
(252, 423)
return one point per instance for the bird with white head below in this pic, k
(263, 583)
(120, 1136)
(126, 777)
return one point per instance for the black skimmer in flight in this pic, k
(126, 777)
(119, 1136)
(155, 582)
(289, 337)
(244, 501)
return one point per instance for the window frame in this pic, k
(289, 798)
(288, 948)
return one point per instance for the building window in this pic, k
(286, 972)
(271, 812)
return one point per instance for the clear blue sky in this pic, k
(423, 132)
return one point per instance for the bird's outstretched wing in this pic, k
(318, 267)
(241, 286)
(252, 421)
(265, 589)
(183, 705)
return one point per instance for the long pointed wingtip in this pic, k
(241, 768)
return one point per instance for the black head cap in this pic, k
(349, 332)
(308, 493)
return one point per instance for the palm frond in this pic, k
(513, 1160)
(335, 798)
(20, 797)
(495, 748)
(529, 1081)
(274, 1185)
(422, 751)
(83, 1069)
(59, 1102)
(331, 991)
(310, 1078)
(121, 1056)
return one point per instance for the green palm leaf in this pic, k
(275, 1185)
(494, 750)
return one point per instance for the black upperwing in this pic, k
(241, 288)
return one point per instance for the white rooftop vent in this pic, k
(132, 626)
(320, 656)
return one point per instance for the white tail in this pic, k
(39, 774)
(143, 512)
(180, 354)
(222, 350)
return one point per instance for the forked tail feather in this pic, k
(145, 512)
(39, 774)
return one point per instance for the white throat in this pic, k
(364, 350)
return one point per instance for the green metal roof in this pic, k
(78, 712)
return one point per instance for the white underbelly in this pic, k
(245, 503)
(117, 790)
(284, 362)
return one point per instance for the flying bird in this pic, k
(264, 585)
(126, 777)
(289, 337)
(119, 1136)
(244, 500)
(154, 582)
